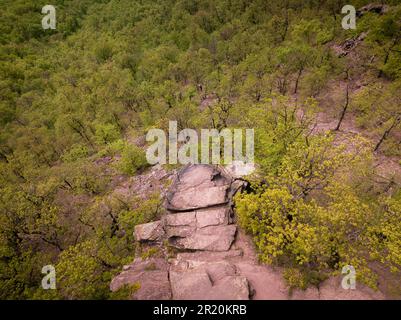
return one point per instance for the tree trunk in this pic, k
(387, 56)
(344, 110)
(386, 133)
(297, 81)
(286, 23)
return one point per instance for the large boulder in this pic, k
(198, 186)
(212, 238)
(198, 197)
(180, 224)
(207, 281)
(196, 175)
(231, 288)
(186, 229)
(212, 217)
(190, 285)
(183, 224)
(199, 217)
(152, 277)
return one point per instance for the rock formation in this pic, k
(199, 223)
(348, 45)
(372, 7)
(213, 260)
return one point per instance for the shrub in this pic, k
(316, 235)
(106, 133)
(103, 52)
(132, 160)
(76, 152)
(113, 148)
(295, 279)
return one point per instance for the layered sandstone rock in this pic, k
(199, 211)
(198, 186)
(199, 218)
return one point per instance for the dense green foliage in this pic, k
(73, 97)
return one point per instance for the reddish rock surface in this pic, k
(216, 261)
(152, 277)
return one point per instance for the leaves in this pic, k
(76, 102)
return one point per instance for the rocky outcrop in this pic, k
(348, 45)
(372, 7)
(213, 261)
(213, 238)
(197, 284)
(198, 211)
(195, 180)
(185, 223)
(150, 275)
(199, 219)
(207, 277)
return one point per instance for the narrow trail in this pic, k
(212, 258)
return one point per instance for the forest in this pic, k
(77, 101)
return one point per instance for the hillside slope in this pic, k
(77, 101)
